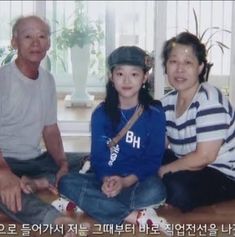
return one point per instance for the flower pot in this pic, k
(80, 58)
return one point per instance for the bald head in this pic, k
(21, 21)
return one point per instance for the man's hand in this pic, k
(10, 190)
(62, 171)
(54, 145)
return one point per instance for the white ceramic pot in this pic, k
(80, 58)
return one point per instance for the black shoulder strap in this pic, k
(128, 125)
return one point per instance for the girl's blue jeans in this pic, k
(85, 190)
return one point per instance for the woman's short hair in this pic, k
(186, 38)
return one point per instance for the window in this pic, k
(209, 14)
(62, 14)
(143, 23)
(121, 27)
(9, 10)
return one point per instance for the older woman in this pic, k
(198, 168)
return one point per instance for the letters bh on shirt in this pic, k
(131, 138)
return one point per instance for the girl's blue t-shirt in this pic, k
(139, 152)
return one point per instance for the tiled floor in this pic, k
(201, 222)
(215, 220)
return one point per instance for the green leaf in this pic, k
(222, 45)
(206, 37)
(196, 22)
(8, 58)
(83, 31)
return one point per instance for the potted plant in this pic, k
(78, 37)
(7, 54)
(206, 37)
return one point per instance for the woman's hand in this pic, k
(163, 170)
(205, 154)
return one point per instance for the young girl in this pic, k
(124, 185)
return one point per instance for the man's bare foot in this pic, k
(30, 185)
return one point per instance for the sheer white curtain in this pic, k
(209, 14)
(124, 23)
(143, 23)
(9, 11)
(178, 16)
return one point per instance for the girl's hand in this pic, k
(112, 185)
(106, 186)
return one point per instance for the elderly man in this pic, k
(28, 112)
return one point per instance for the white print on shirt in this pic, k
(130, 138)
(113, 154)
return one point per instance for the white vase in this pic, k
(80, 58)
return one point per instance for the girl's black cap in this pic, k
(130, 55)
